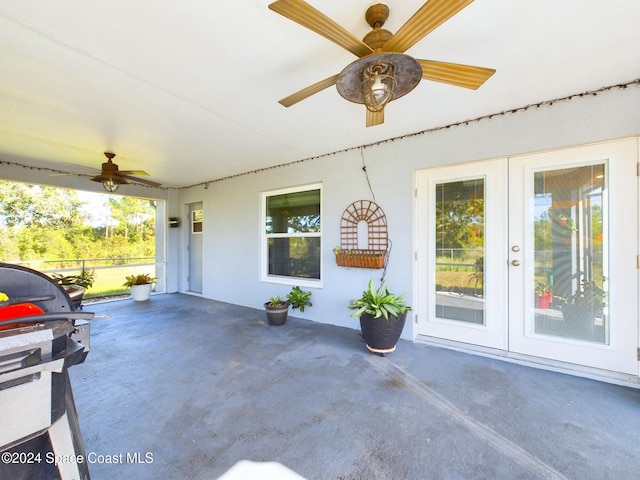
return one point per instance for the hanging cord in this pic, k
(366, 174)
(373, 195)
(386, 261)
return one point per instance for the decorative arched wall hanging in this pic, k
(349, 255)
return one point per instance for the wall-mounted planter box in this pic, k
(360, 258)
(349, 255)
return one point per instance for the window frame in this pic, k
(264, 238)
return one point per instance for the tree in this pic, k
(37, 206)
(48, 223)
(134, 217)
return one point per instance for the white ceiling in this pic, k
(187, 90)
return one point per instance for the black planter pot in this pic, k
(277, 315)
(381, 335)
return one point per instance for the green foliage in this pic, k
(459, 224)
(140, 279)
(84, 279)
(379, 302)
(299, 298)
(38, 206)
(542, 287)
(276, 301)
(47, 223)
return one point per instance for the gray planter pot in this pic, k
(277, 315)
(381, 335)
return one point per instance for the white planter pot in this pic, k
(141, 293)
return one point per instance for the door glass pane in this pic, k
(570, 220)
(460, 251)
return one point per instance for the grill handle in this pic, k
(50, 316)
(14, 300)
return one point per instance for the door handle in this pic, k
(515, 263)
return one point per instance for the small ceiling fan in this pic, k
(382, 72)
(111, 177)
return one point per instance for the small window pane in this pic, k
(295, 257)
(294, 212)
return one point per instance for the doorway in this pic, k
(534, 255)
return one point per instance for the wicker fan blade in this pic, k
(375, 118)
(466, 76)
(140, 180)
(132, 172)
(310, 90)
(307, 16)
(428, 17)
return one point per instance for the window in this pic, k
(196, 221)
(292, 235)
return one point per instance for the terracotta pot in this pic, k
(544, 300)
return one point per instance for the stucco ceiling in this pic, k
(188, 90)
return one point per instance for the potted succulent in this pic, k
(543, 295)
(140, 286)
(277, 308)
(382, 316)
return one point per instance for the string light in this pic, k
(547, 103)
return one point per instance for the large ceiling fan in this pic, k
(111, 177)
(382, 72)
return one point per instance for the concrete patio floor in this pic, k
(182, 387)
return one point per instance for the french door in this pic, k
(535, 255)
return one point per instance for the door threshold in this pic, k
(191, 292)
(591, 373)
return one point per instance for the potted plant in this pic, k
(75, 285)
(585, 304)
(298, 298)
(140, 286)
(543, 295)
(382, 316)
(277, 308)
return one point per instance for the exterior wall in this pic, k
(232, 207)
(232, 226)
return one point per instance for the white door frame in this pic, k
(620, 353)
(493, 334)
(518, 343)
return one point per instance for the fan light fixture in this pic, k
(382, 73)
(379, 78)
(378, 82)
(110, 186)
(111, 183)
(109, 177)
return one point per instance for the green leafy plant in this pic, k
(542, 287)
(379, 302)
(83, 279)
(276, 301)
(299, 298)
(141, 279)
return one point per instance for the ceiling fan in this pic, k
(382, 72)
(111, 177)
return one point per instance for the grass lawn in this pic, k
(108, 281)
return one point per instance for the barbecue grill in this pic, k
(41, 336)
